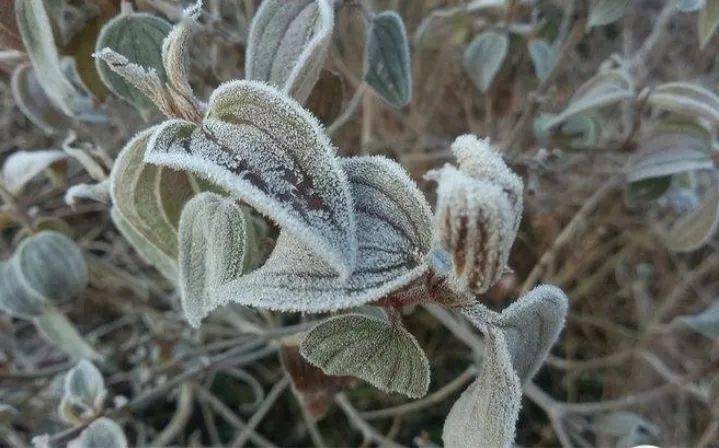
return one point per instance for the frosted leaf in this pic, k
(148, 251)
(99, 192)
(708, 21)
(83, 393)
(387, 67)
(36, 32)
(685, 99)
(288, 43)
(175, 50)
(479, 208)
(486, 413)
(265, 149)
(604, 89)
(52, 266)
(484, 57)
(696, 228)
(15, 298)
(384, 354)
(102, 433)
(216, 246)
(543, 57)
(138, 37)
(22, 166)
(34, 103)
(604, 12)
(393, 228)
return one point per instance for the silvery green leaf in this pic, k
(689, 5)
(387, 66)
(484, 56)
(693, 230)
(34, 103)
(543, 57)
(84, 384)
(393, 227)
(384, 354)
(138, 37)
(15, 298)
(671, 148)
(52, 266)
(604, 89)
(216, 246)
(531, 326)
(36, 32)
(148, 251)
(708, 21)
(22, 166)
(604, 12)
(486, 413)
(706, 322)
(99, 192)
(687, 99)
(102, 433)
(265, 149)
(59, 331)
(288, 44)
(175, 51)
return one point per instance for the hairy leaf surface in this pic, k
(288, 43)
(387, 67)
(22, 166)
(265, 149)
(393, 227)
(484, 57)
(383, 354)
(102, 433)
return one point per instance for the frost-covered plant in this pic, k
(84, 393)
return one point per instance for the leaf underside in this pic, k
(387, 59)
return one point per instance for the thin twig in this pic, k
(356, 420)
(179, 418)
(257, 417)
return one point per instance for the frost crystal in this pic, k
(393, 228)
(265, 149)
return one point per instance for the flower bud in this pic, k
(479, 208)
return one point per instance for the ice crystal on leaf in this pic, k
(393, 230)
(262, 147)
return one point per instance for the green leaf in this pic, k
(15, 298)
(486, 413)
(693, 230)
(102, 433)
(394, 226)
(387, 66)
(288, 44)
(217, 244)
(604, 89)
(22, 166)
(34, 103)
(708, 21)
(686, 99)
(543, 57)
(484, 57)
(383, 354)
(265, 149)
(604, 12)
(139, 38)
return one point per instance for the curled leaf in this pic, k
(266, 150)
(393, 226)
(216, 246)
(484, 57)
(15, 298)
(34, 103)
(175, 51)
(693, 230)
(83, 393)
(387, 67)
(288, 43)
(383, 354)
(99, 192)
(138, 37)
(22, 166)
(685, 99)
(102, 433)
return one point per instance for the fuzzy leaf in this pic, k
(52, 266)
(604, 12)
(138, 37)
(672, 148)
(175, 51)
(288, 43)
(84, 384)
(36, 32)
(383, 354)
(685, 99)
(604, 89)
(387, 66)
(393, 226)
(102, 433)
(15, 298)
(708, 21)
(265, 149)
(543, 57)
(484, 57)
(99, 192)
(22, 166)
(486, 413)
(693, 230)
(706, 322)
(34, 103)
(216, 246)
